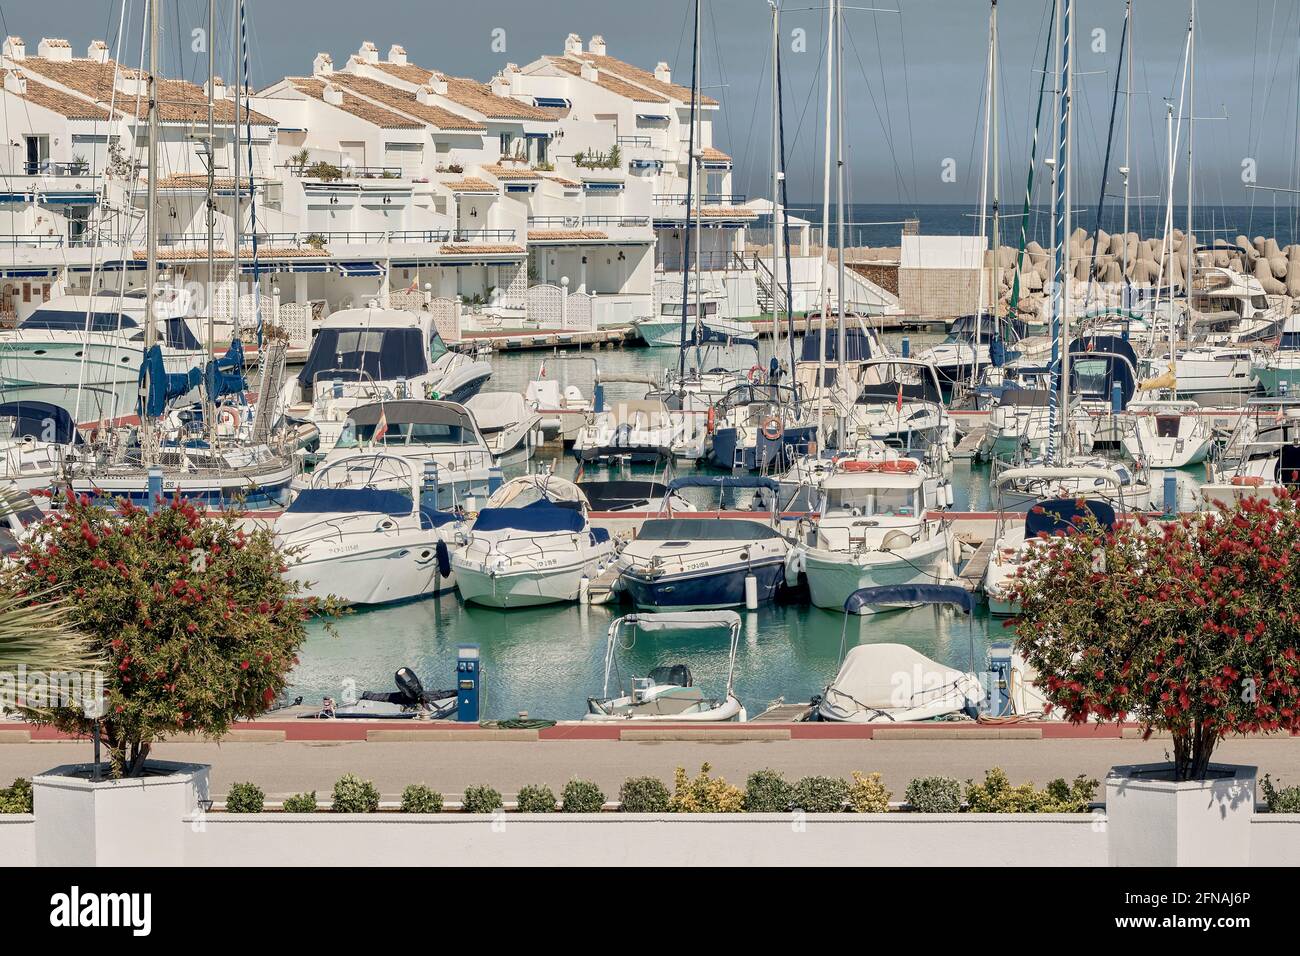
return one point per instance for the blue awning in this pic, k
(351, 270)
(652, 117)
(910, 594)
(38, 273)
(69, 199)
(308, 267)
(540, 516)
(600, 187)
(15, 197)
(552, 102)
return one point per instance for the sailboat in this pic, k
(135, 464)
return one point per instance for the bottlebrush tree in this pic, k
(189, 616)
(1189, 626)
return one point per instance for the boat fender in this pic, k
(444, 560)
(1247, 481)
(896, 541)
(794, 566)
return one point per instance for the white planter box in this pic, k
(1156, 821)
(132, 822)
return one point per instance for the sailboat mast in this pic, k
(239, 82)
(698, 159)
(1128, 135)
(776, 179)
(151, 229)
(995, 273)
(209, 409)
(982, 288)
(841, 345)
(691, 187)
(1191, 148)
(826, 203)
(1067, 222)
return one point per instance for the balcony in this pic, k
(18, 240)
(580, 222)
(635, 142)
(47, 168)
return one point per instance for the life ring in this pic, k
(1247, 481)
(772, 428)
(755, 374)
(895, 466)
(228, 417)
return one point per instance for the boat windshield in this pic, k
(868, 502)
(383, 354)
(67, 320)
(405, 433)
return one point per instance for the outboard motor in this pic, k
(409, 685)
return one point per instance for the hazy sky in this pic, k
(914, 80)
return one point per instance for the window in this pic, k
(507, 142)
(884, 502)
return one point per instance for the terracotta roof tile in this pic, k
(471, 184)
(65, 104)
(645, 78)
(611, 83)
(512, 172)
(405, 102)
(728, 212)
(710, 154)
(468, 93)
(263, 252)
(535, 235)
(362, 109)
(179, 101)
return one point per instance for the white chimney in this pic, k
(218, 88)
(438, 83)
(15, 48)
(662, 73)
(324, 63)
(97, 51)
(596, 45)
(54, 48)
(589, 72)
(501, 85)
(368, 53)
(573, 43)
(333, 95)
(131, 83)
(15, 82)
(397, 55)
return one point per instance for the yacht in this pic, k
(1229, 308)
(900, 403)
(84, 341)
(756, 427)
(1263, 451)
(440, 438)
(693, 562)
(531, 544)
(668, 691)
(635, 430)
(1168, 434)
(368, 355)
(877, 526)
(665, 329)
(366, 531)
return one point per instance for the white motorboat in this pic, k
(97, 341)
(900, 403)
(1263, 451)
(893, 683)
(35, 439)
(1052, 509)
(1206, 373)
(705, 563)
(532, 544)
(1229, 308)
(668, 692)
(632, 430)
(361, 356)
(364, 533)
(563, 408)
(875, 528)
(431, 434)
(508, 425)
(665, 329)
(1168, 434)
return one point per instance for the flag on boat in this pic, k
(899, 405)
(381, 426)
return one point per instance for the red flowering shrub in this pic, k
(1190, 626)
(190, 616)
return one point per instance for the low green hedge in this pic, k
(16, 798)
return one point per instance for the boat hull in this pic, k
(377, 576)
(792, 444)
(530, 587)
(833, 575)
(712, 589)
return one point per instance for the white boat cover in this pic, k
(524, 490)
(893, 682)
(494, 411)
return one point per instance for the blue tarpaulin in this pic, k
(539, 516)
(41, 420)
(351, 501)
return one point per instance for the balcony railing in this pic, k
(47, 168)
(14, 240)
(347, 172)
(709, 199)
(485, 235)
(709, 261)
(634, 141)
(578, 222)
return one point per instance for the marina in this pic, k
(353, 404)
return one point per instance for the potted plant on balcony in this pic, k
(195, 628)
(1191, 627)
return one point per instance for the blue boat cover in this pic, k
(1056, 516)
(857, 346)
(225, 376)
(351, 501)
(161, 386)
(1089, 385)
(910, 594)
(539, 516)
(712, 336)
(43, 421)
(384, 354)
(705, 529)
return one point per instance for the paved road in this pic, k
(450, 766)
